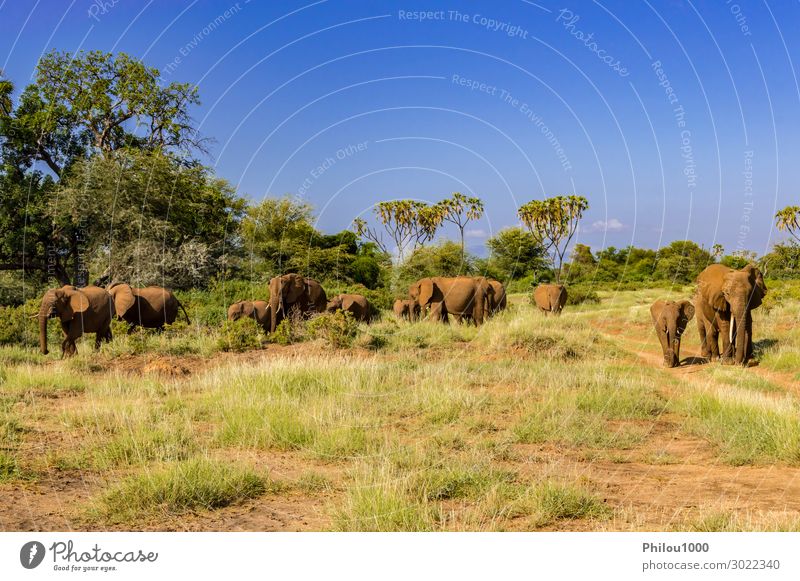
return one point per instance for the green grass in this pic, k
(578, 411)
(417, 427)
(747, 428)
(197, 484)
(726, 521)
(9, 469)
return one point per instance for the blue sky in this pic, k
(675, 119)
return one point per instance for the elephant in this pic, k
(260, 311)
(670, 319)
(499, 296)
(292, 292)
(151, 307)
(406, 309)
(85, 310)
(724, 301)
(461, 296)
(357, 305)
(550, 298)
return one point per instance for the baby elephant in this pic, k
(406, 309)
(670, 319)
(357, 305)
(260, 311)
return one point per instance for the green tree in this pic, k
(94, 102)
(276, 230)
(514, 254)
(460, 210)
(441, 259)
(143, 217)
(408, 223)
(681, 262)
(553, 222)
(81, 107)
(783, 261)
(788, 219)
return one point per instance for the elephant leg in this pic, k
(726, 354)
(705, 351)
(726, 351)
(131, 329)
(748, 328)
(68, 347)
(712, 335)
(662, 338)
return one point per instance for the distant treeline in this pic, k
(101, 181)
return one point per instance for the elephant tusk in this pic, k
(733, 326)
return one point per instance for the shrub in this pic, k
(241, 335)
(577, 295)
(287, 332)
(17, 325)
(180, 487)
(338, 329)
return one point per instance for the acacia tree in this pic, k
(460, 210)
(553, 223)
(408, 223)
(788, 219)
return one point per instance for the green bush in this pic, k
(287, 332)
(241, 335)
(577, 295)
(17, 325)
(338, 329)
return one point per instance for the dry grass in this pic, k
(415, 428)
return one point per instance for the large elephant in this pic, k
(499, 296)
(151, 307)
(724, 302)
(406, 309)
(85, 310)
(670, 319)
(292, 292)
(462, 296)
(260, 311)
(550, 298)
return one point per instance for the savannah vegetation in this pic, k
(527, 423)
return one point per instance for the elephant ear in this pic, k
(247, 308)
(759, 289)
(426, 289)
(123, 298)
(293, 288)
(78, 303)
(712, 296)
(687, 310)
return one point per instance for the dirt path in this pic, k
(692, 477)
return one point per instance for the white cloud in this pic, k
(611, 225)
(476, 233)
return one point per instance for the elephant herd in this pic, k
(722, 304)
(293, 294)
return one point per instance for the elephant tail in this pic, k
(188, 322)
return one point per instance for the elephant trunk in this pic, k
(674, 342)
(273, 319)
(739, 335)
(44, 315)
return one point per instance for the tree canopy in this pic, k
(553, 222)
